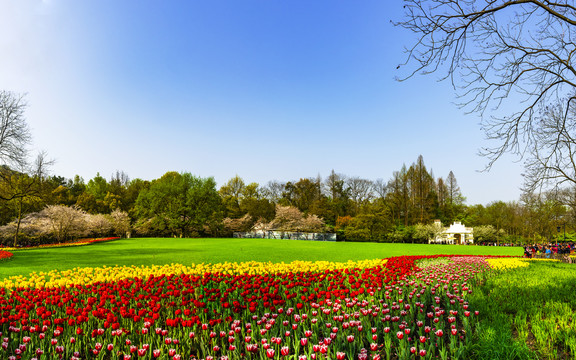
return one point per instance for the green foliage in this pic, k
(494, 340)
(258, 208)
(485, 233)
(401, 234)
(570, 237)
(239, 199)
(381, 211)
(355, 234)
(367, 227)
(97, 187)
(179, 204)
(302, 194)
(231, 193)
(537, 302)
(423, 233)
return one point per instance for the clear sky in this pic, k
(267, 90)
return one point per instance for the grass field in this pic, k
(151, 251)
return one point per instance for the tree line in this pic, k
(37, 208)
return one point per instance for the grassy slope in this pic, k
(189, 251)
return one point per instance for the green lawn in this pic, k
(188, 251)
(527, 313)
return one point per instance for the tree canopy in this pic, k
(179, 204)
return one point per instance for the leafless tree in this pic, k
(381, 188)
(552, 159)
(14, 132)
(508, 60)
(120, 179)
(360, 190)
(273, 190)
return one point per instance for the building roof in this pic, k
(458, 228)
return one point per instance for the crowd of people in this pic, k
(560, 251)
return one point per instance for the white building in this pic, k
(456, 234)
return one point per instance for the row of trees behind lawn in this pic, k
(400, 209)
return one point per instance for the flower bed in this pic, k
(86, 276)
(356, 310)
(5, 255)
(512, 263)
(76, 243)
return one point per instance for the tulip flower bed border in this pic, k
(384, 311)
(453, 306)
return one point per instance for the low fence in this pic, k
(288, 235)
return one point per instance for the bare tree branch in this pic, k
(14, 133)
(509, 60)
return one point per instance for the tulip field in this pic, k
(392, 307)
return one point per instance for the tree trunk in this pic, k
(19, 220)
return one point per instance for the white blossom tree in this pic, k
(65, 222)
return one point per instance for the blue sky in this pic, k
(263, 89)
